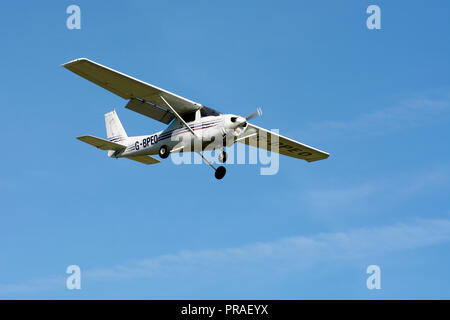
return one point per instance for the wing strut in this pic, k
(219, 172)
(206, 160)
(178, 116)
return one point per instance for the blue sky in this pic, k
(377, 100)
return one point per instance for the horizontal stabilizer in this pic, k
(101, 143)
(143, 159)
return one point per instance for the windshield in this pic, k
(205, 112)
(171, 123)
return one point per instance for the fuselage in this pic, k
(209, 132)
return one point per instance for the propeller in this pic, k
(243, 121)
(240, 123)
(257, 112)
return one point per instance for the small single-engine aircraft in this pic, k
(189, 122)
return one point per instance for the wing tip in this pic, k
(71, 62)
(323, 157)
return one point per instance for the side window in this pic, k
(188, 117)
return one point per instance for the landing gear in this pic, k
(164, 152)
(220, 172)
(223, 157)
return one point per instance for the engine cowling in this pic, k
(235, 125)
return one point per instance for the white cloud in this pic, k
(410, 113)
(32, 286)
(281, 256)
(344, 197)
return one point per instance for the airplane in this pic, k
(197, 127)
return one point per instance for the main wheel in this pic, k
(223, 157)
(220, 172)
(164, 151)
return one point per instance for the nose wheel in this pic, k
(220, 172)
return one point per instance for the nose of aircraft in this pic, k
(235, 121)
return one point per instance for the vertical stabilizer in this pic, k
(114, 129)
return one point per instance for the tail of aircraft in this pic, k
(117, 140)
(114, 129)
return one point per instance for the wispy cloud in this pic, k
(281, 256)
(32, 286)
(407, 114)
(400, 186)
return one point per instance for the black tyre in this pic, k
(220, 172)
(164, 152)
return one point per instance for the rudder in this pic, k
(114, 129)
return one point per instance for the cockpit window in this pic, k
(172, 122)
(188, 117)
(205, 112)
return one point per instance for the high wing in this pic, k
(262, 138)
(132, 89)
(150, 110)
(101, 143)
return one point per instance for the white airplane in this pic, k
(191, 126)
